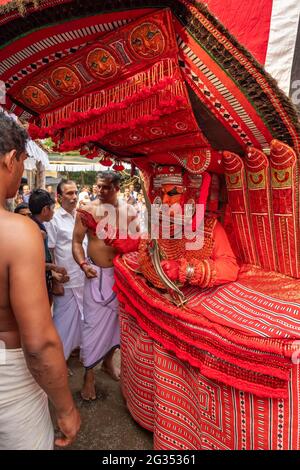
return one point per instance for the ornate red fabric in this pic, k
(187, 410)
(260, 207)
(230, 332)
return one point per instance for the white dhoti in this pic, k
(25, 422)
(67, 312)
(100, 326)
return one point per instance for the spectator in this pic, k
(128, 198)
(18, 199)
(22, 209)
(84, 196)
(140, 207)
(94, 195)
(42, 206)
(50, 190)
(34, 362)
(132, 192)
(67, 308)
(26, 193)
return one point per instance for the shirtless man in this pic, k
(31, 355)
(100, 327)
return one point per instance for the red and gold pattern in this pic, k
(95, 66)
(217, 373)
(195, 161)
(238, 203)
(176, 250)
(147, 41)
(285, 191)
(260, 207)
(101, 63)
(65, 81)
(186, 410)
(35, 97)
(225, 79)
(229, 332)
(265, 212)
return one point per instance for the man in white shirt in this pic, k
(67, 308)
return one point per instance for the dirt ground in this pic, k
(106, 422)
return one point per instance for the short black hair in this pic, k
(12, 136)
(20, 207)
(113, 176)
(61, 184)
(39, 199)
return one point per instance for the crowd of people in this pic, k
(85, 194)
(55, 296)
(56, 288)
(76, 316)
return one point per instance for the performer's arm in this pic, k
(40, 342)
(224, 260)
(220, 268)
(79, 233)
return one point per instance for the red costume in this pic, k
(208, 362)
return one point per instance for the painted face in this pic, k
(35, 97)
(172, 194)
(172, 199)
(101, 64)
(65, 81)
(147, 40)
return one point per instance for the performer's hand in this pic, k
(171, 268)
(69, 425)
(89, 271)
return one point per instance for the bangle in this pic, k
(190, 271)
(199, 273)
(182, 271)
(82, 264)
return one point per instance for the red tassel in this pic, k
(34, 131)
(118, 167)
(92, 154)
(106, 161)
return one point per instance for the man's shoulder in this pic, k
(17, 230)
(14, 221)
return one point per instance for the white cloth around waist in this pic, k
(25, 422)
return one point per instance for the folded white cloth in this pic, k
(25, 422)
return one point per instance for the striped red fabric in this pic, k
(186, 410)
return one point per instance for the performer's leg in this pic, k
(88, 391)
(110, 366)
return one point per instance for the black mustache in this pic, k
(173, 192)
